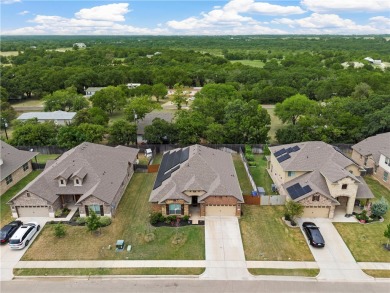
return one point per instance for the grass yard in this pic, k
(285, 272)
(378, 273)
(42, 158)
(157, 159)
(131, 224)
(265, 236)
(245, 184)
(108, 271)
(9, 53)
(276, 124)
(260, 174)
(118, 115)
(27, 103)
(365, 241)
(5, 211)
(253, 63)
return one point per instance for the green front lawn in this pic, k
(265, 236)
(365, 241)
(130, 224)
(5, 210)
(243, 179)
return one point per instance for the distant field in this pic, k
(27, 103)
(253, 63)
(10, 53)
(276, 124)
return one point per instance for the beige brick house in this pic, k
(90, 176)
(374, 153)
(14, 165)
(197, 177)
(319, 176)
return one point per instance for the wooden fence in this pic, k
(153, 168)
(252, 200)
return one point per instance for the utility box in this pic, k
(260, 191)
(148, 153)
(120, 245)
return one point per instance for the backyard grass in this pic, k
(276, 124)
(131, 223)
(118, 115)
(265, 236)
(28, 103)
(243, 179)
(378, 273)
(42, 158)
(108, 271)
(260, 174)
(253, 63)
(285, 272)
(5, 211)
(365, 241)
(157, 159)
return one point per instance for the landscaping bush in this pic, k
(186, 218)
(58, 213)
(379, 208)
(104, 221)
(155, 218)
(81, 221)
(252, 164)
(287, 217)
(65, 211)
(249, 157)
(59, 230)
(362, 216)
(248, 149)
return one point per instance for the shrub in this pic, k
(248, 149)
(252, 164)
(379, 208)
(362, 216)
(65, 211)
(59, 230)
(287, 217)
(155, 218)
(104, 221)
(249, 157)
(161, 218)
(186, 218)
(58, 213)
(81, 221)
(294, 209)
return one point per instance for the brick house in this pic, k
(197, 177)
(318, 176)
(90, 176)
(373, 154)
(14, 165)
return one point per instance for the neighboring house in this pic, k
(148, 119)
(133, 85)
(197, 177)
(369, 59)
(318, 176)
(58, 117)
(89, 92)
(80, 45)
(373, 154)
(90, 176)
(14, 165)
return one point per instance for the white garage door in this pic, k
(220, 210)
(316, 213)
(33, 211)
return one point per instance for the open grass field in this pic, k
(260, 174)
(243, 179)
(276, 124)
(9, 53)
(253, 63)
(265, 236)
(365, 241)
(131, 223)
(27, 103)
(285, 272)
(5, 211)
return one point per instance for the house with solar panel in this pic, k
(197, 181)
(320, 177)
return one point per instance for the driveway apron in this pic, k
(334, 260)
(225, 258)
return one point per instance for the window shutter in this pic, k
(182, 209)
(101, 210)
(87, 211)
(167, 207)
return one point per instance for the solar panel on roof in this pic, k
(169, 164)
(283, 158)
(295, 148)
(279, 152)
(185, 154)
(307, 189)
(297, 190)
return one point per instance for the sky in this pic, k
(199, 17)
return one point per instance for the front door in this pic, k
(194, 201)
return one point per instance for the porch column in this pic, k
(350, 205)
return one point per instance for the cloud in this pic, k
(347, 5)
(110, 12)
(24, 12)
(9, 1)
(251, 6)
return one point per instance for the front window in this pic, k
(175, 209)
(315, 198)
(8, 179)
(291, 173)
(95, 208)
(385, 176)
(344, 186)
(25, 167)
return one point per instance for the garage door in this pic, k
(33, 211)
(316, 213)
(220, 210)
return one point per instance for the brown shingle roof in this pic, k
(205, 169)
(148, 119)
(374, 145)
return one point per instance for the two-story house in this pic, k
(318, 176)
(373, 154)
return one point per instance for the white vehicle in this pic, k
(23, 235)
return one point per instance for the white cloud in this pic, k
(9, 1)
(381, 22)
(347, 5)
(24, 12)
(251, 6)
(110, 12)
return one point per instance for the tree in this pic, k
(92, 115)
(159, 90)
(161, 131)
(123, 132)
(215, 133)
(387, 235)
(65, 100)
(361, 91)
(92, 221)
(59, 230)
(72, 135)
(379, 208)
(191, 126)
(31, 132)
(109, 99)
(140, 106)
(294, 210)
(294, 107)
(178, 97)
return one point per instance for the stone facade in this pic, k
(16, 177)
(91, 200)
(379, 176)
(324, 201)
(164, 207)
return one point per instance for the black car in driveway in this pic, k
(313, 234)
(8, 230)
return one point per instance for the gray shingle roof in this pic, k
(94, 89)
(148, 119)
(102, 167)
(56, 115)
(13, 159)
(206, 169)
(374, 145)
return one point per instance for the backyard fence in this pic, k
(247, 170)
(251, 200)
(272, 200)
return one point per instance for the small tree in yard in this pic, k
(293, 209)
(387, 235)
(59, 230)
(379, 208)
(93, 222)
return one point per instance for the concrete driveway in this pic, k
(225, 258)
(334, 260)
(10, 257)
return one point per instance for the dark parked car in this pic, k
(8, 230)
(313, 234)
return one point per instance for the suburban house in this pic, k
(14, 165)
(89, 92)
(148, 119)
(318, 176)
(373, 154)
(89, 176)
(197, 179)
(79, 45)
(58, 117)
